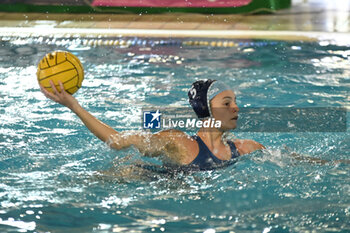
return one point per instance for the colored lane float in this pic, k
(152, 43)
(140, 42)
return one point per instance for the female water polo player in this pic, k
(206, 150)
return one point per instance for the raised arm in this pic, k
(170, 143)
(165, 142)
(98, 128)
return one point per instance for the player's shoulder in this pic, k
(177, 137)
(246, 146)
(181, 145)
(173, 133)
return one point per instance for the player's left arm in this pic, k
(246, 146)
(249, 146)
(308, 159)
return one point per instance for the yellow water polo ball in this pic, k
(60, 66)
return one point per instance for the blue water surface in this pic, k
(55, 176)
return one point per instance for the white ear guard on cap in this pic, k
(214, 89)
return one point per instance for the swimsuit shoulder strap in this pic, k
(202, 146)
(205, 159)
(234, 151)
(204, 153)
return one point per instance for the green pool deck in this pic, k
(304, 18)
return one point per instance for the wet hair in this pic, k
(201, 92)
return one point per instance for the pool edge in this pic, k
(222, 34)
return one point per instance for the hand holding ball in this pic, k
(60, 66)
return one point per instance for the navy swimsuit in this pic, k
(206, 160)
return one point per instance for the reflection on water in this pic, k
(56, 176)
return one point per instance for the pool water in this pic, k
(55, 176)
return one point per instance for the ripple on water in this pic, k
(56, 175)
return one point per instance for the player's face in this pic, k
(225, 109)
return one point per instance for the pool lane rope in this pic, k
(143, 42)
(129, 42)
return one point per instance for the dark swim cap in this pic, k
(198, 97)
(201, 93)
